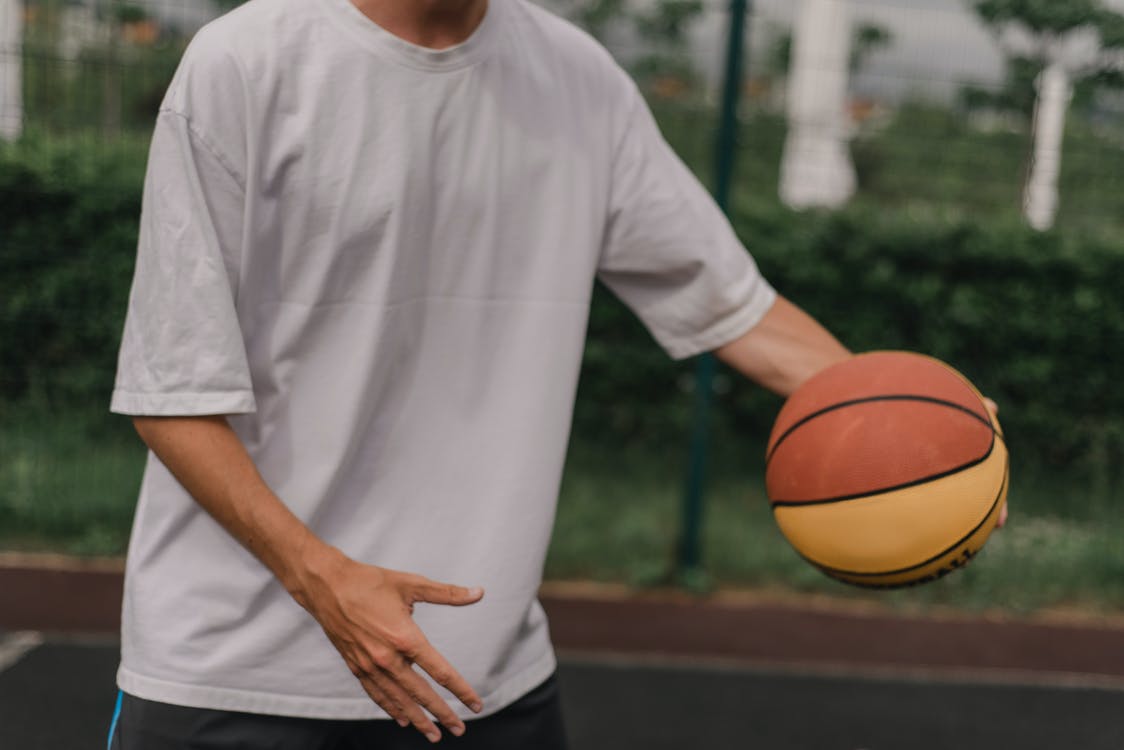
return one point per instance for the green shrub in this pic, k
(68, 212)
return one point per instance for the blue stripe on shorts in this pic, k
(113, 723)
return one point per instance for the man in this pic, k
(369, 238)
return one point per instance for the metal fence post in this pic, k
(691, 572)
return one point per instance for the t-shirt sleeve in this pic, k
(182, 351)
(669, 252)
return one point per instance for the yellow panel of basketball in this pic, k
(866, 539)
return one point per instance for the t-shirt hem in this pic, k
(182, 404)
(726, 329)
(305, 707)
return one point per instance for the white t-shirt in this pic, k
(379, 258)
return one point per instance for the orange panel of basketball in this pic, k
(878, 374)
(886, 469)
(875, 445)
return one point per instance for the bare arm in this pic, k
(783, 350)
(364, 610)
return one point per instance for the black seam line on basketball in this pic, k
(884, 490)
(934, 558)
(890, 397)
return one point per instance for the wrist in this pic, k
(313, 568)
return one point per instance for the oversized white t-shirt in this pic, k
(379, 259)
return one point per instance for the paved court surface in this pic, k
(666, 671)
(59, 696)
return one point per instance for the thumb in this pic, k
(434, 592)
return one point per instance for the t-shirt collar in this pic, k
(381, 41)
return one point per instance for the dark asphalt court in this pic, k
(59, 696)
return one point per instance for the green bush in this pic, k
(1034, 319)
(68, 229)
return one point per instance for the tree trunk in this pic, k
(1040, 197)
(816, 168)
(11, 69)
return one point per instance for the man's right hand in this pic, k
(366, 613)
(364, 610)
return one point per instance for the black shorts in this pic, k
(533, 721)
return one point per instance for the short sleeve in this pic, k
(669, 252)
(182, 351)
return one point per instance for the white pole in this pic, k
(816, 167)
(11, 69)
(1040, 199)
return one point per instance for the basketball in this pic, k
(886, 470)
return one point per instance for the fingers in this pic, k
(379, 696)
(406, 706)
(424, 655)
(381, 645)
(435, 665)
(432, 592)
(391, 682)
(994, 409)
(422, 694)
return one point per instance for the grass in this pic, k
(68, 483)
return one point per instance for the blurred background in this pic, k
(945, 176)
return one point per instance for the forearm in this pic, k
(209, 460)
(783, 350)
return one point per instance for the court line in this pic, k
(920, 675)
(14, 646)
